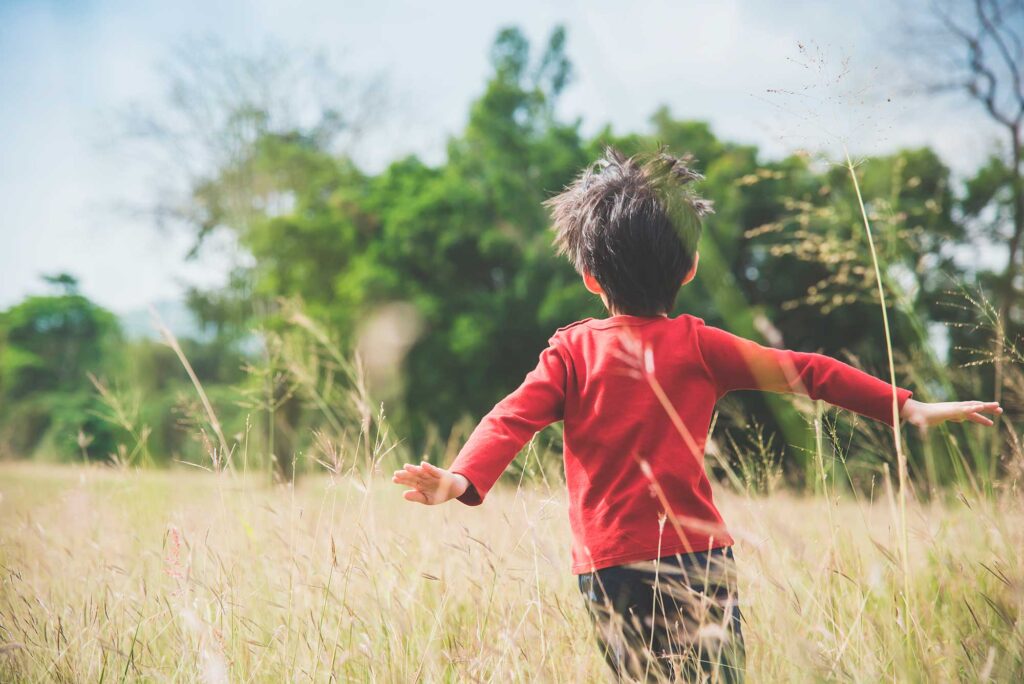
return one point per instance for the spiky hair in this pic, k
(633, 223)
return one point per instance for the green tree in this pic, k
(48, 345)
(466, 243)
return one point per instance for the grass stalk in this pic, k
(901, 458)
(211, 415)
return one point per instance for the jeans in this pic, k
(676, 618)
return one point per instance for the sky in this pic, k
(761, 72)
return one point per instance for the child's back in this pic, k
(637, 395)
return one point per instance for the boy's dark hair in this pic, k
(633, 223)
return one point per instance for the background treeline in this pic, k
(445, 273)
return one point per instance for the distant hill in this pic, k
(138, 324)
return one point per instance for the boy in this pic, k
(636, 393)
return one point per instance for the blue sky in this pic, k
(67, 67)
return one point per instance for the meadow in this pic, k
(223, 510)
(117, 574)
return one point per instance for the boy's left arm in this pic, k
(738, 363)
(538, 402)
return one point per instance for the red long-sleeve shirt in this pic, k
(637, 395)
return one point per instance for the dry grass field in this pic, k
(116, 575)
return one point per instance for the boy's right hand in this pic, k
(925, 415)
(429, 484)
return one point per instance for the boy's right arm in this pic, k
(501, 434)
(737, 363)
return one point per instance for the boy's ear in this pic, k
(693, 269)
(590, 282)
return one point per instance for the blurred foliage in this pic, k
(47, 345)
(466, 244)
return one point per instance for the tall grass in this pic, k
(181, 575)
(120, 575)
(901, 459)
(117, 573)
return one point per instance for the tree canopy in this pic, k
(465, 246)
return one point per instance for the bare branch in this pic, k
(1011, 63)
(218, 104)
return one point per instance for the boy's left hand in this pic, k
(429, 484)
(925, 415)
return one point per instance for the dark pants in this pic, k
(673, 619)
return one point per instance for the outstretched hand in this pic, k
(925, 415)
(429, 484)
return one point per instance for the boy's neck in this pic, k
(662, 314)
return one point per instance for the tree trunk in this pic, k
(1018, 222)
(1005, 326)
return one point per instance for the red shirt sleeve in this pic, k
(737, 363)
(501, 434)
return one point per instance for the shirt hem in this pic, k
(647, 555)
